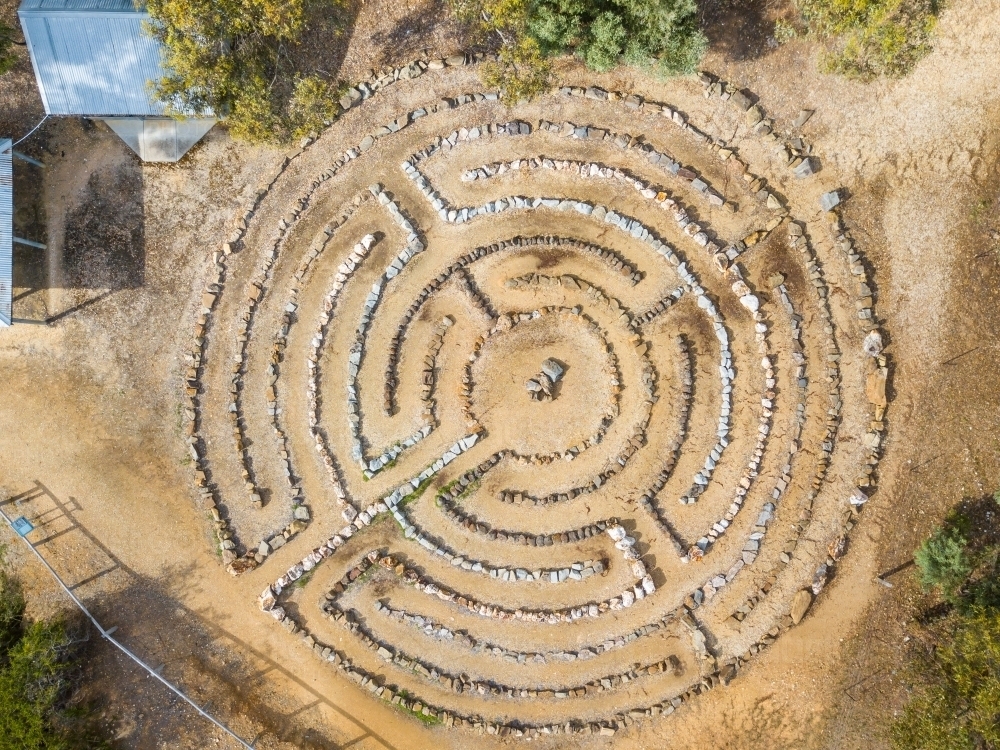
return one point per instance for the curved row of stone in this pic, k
(344, 271)
(414, 245)
(462, 683)
(794, 151)
(627, 598)
(872, 346)
(254, 295)
(634, 102)
(661, 307)
(765, 195)
(864, 296)
(419, 706)
(564, 129)
(751, 547)
(195, 358)
(438, 631)
(289, 317)
(673, 453)
(588, 170)
(577, 571)
(596, 170)
(461, 263)
(639, 231)
(428, 376)
(451, 494)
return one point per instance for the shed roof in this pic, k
(71, 5)
(91, 57)
(6, 232)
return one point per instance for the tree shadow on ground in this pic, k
(105, 241)
(324, 43)
(980, 520)
(741, 30)
(409, 36)
(241, 686)
(237, 682)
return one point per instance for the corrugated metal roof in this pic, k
(91, 57)
(70, 5)
(6, 232)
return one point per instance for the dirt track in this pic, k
(95, 415)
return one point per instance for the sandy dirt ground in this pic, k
(92, 440)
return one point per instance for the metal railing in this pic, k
(107, 635)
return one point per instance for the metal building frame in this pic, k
(6, 232)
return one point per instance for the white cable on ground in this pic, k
(32, 130)
(105, 634)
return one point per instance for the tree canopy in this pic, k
(659, 35)
(37, 672)
(955, 677)
(872, 37)
(235, 58)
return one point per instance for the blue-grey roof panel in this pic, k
(92, 62)
(78, 5)
(6, 232)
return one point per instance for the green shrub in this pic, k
(37, 673)
(944, 562)
(873, 37)
(12, 606)
(784, 31)
(31, 686)
(658, 35)
(956, 704)
(313, 106)
(521, 71)
(234, 58)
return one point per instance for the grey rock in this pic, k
(829, 201)
(741, 100)
(872, 344)
(804, 115)
(804, 169)
(819, 580)
(553, 370)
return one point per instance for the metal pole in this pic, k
(25, 157)
(107, 636)
(29, 243)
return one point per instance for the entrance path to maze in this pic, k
(541, 419)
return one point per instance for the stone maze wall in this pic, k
(504, 333)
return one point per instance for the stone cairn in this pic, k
(719, 377)
(542, 386)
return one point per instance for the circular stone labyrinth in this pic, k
(566, 563)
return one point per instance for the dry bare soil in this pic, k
(98, 403)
